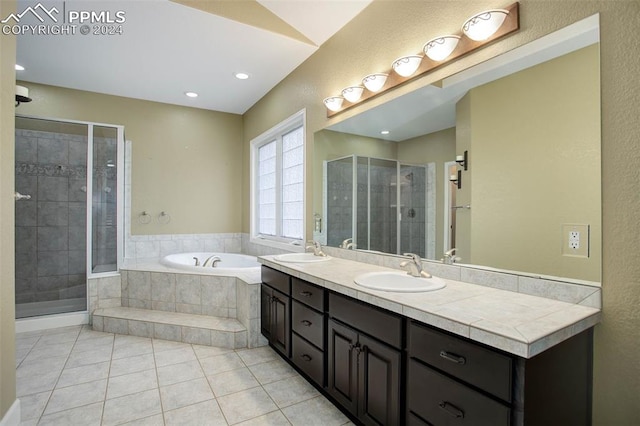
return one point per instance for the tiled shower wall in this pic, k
(51, 226)
(339, 201)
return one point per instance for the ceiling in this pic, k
(433, 108)
(168, 48)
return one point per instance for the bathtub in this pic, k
(230, 263)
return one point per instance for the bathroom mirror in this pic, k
(529, 121)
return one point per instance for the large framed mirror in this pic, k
(386, 180)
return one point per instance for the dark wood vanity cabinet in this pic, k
(308, 326)
(275, 313)
(454, 382)
(364, 368)
(384, 369)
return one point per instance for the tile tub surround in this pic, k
(158, 288)
(140, 249)
(521, 324)
(75, 375)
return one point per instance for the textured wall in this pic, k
(388, 29)
(7, 294)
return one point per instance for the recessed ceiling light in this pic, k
(19, 67)
(191, 94)
(241, 75)
(385, 132)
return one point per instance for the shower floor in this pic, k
(35, 309)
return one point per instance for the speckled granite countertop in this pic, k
(520, 324)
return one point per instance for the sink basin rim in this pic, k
(384, 281)
(301, 258)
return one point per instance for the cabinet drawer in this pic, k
(488, 370)
(276, 279)
(369, 319)
(308, 358)
(308, 293)
(443, 401)
(308, 323)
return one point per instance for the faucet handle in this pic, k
(414, 257)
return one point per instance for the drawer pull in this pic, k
(306, 357)
(451, 409)
(306, 323)
(453, 357)
(306, 293)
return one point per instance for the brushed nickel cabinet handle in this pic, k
(451, 409)
(453, 357)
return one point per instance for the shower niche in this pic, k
(69, 178)
(381, 205)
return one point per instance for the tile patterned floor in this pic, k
(77, 376)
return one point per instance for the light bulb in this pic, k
(440, 48)
(483, 25)
(334, 103)
(375, 82)
(407, 65)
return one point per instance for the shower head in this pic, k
(22, 95)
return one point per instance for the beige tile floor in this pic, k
(77, 376)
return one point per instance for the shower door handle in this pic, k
(18, 196)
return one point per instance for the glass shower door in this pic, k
(104, 253)
(68, 210)
(339, 202)
(51, 175)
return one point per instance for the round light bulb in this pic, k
(406, 65)
(375, 82)
(484, 24)
(439, 48)
(353, 93)
(191, 94)
(334, 103)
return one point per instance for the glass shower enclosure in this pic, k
(382, 205)
(68, 209)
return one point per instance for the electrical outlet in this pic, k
(575, 240)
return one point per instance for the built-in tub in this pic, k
(230, 263)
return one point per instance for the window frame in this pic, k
(275, 133)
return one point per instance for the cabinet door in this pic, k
(379, 383)
(342, 352)
(265, 310)
(280, 323)
(444, 401)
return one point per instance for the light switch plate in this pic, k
(575, 240)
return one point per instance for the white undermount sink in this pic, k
(301, 258)
(398, 281)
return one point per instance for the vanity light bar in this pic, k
(477, 31)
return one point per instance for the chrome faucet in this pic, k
(449, 257)
(316, 247)
(211, 260)
(348, 244)
(414, 266)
